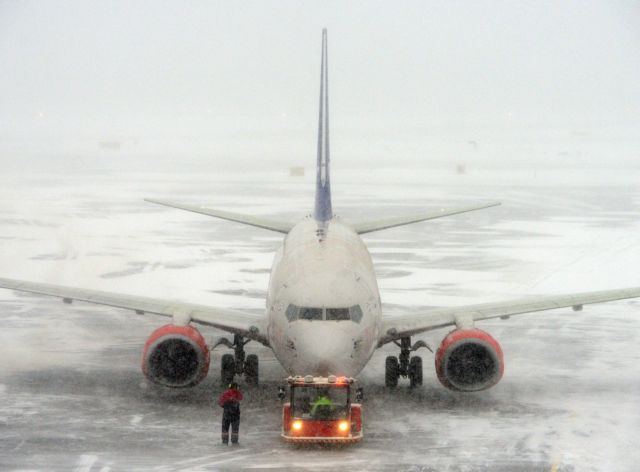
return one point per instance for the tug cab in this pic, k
(322, 410)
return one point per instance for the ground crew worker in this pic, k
(322, 404)
(230, 402)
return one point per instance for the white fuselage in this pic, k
(323, 267)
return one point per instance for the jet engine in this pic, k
(469, 360)
(175, 356)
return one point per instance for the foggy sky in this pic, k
(234, 81)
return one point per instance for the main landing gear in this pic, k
(405, 365)
(237, 363)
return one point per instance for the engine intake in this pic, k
(175, 356)
(469, 360)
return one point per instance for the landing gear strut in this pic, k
(405, 365)
(237, 363)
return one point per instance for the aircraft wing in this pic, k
(245, 324)
(402, 326)
(257, 221)
(377, 225)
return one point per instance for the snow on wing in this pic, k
(401, 326)
(245, 324)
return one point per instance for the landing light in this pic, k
(343, 426)
(296, 425)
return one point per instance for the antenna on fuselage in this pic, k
(323, 211)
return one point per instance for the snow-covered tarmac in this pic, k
(72, 397)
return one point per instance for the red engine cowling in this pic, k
(175, 356)
(469, 360)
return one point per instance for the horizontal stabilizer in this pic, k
(370, 226)
(256, 221)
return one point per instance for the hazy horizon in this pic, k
(482, 84)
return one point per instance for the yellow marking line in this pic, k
(554, 467)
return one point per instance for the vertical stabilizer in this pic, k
(323, 210)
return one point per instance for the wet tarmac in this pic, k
(72, 397)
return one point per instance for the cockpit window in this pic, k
(337, 314)
(353, 313)
(292, 312)
(307, 313)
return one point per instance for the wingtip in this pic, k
(158, 202)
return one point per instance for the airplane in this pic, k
(323, 308)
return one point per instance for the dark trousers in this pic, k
(235, 427)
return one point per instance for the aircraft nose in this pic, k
(325, 351)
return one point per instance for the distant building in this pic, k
(110, 145)
(296, 171)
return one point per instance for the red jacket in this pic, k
(230, 395)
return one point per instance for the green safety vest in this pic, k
(319, 402)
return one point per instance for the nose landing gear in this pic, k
(405, 365)
(237, 363)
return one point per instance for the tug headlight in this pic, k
(296, 425)
(343, 426)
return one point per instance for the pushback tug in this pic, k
(337, 419)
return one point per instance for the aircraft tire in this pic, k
(415, 371)
(227, 369)
(391, 371)
(251, 369)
